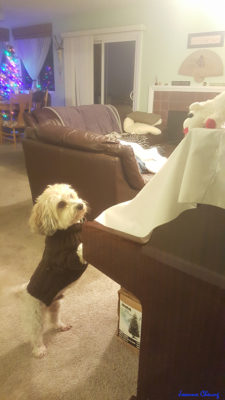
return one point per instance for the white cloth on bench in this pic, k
(194, 173)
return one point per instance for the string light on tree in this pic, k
(10, 81)
(47, 75)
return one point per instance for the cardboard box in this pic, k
(130, 316)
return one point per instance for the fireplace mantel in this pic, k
(162, 99)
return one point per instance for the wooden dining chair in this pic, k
(40, 99)
(14, 127)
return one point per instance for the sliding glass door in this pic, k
(115, 72)
(114, 80)
(115, 53)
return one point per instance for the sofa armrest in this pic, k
(30, 132)
(41, 116)
(92, 142)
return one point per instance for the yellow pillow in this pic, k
(145, 118)
(139, 128)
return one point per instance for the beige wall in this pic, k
(167, 23)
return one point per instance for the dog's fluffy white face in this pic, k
(58, 207)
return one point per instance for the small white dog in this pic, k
(58, 214)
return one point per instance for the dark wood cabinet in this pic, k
(179, 277)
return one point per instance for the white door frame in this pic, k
(119, 34)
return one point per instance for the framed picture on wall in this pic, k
(205, 39)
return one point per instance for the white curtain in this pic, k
(33, 53)
(2, 47)
(78, 70)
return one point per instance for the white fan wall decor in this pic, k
(201, 64)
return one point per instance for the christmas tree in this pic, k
(10, 81)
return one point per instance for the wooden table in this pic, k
(4, 105)
(179, 277)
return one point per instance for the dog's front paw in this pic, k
(80, 253)
(39, 352)
(61, 327)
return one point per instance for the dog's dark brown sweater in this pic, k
(60, 265)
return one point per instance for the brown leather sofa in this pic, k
(68, 144)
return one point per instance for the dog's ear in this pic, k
(42, 220)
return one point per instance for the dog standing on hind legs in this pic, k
(58, 214)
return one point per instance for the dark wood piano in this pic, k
(179, 277)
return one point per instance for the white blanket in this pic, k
(150, 157)
(194, 173)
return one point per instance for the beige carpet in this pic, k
(88, 362)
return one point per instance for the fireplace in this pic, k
(163, 99)
(173, 133)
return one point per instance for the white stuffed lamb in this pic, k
(206, 114)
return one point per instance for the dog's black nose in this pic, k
(80, 206)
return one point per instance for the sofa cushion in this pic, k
(97, 118)
(145, 118)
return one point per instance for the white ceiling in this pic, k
(17, 13)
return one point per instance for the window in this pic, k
(46, 78)
(26, 79)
